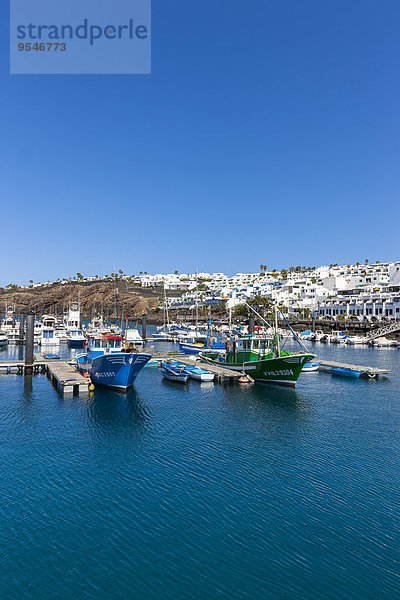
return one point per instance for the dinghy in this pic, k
(174, 373)
(310, 366)
(345, 372)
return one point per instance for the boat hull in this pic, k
(281, 370)
(76, 343)
(310, 367)
(179, 378)
(345, 373)
(118, 371)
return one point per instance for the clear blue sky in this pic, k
(267, 133)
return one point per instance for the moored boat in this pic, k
(133, 336)
(47, 333)
(261, 359)
(199, 374)
(345, 372)
(109, 364)
(76, 339)
(174, 372)
(311, 366)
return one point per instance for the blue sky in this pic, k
(267, 133)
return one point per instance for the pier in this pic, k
(327, 365)
(64, 377)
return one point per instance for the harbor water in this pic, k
(201, 491)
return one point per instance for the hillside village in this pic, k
(366, 292)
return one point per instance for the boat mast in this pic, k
(166, 308)
(276, 330)
(196, 304)
(115, 296)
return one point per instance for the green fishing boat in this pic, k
(261, 358)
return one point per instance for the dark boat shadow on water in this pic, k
(267, 399)
(110, 411)
(175, 385)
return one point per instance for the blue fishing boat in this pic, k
(174, 372)
(345, 372)
(109, 364)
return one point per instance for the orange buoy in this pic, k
(244, 379)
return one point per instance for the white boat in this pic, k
(355, 340)
(61, 332)
(73, 319)
(97, 326)
(383, 342)
(8, 323)
(162, 336)
(133, 336)
(76, 338)
(320, 336)
(310, 366)
(47, 335)
(307, 335)
(199, 374)
(13, 335)
(37, 331)
(337, 337)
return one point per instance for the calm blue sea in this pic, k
(202, 491)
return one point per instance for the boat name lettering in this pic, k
(278, 373)
(105, 374)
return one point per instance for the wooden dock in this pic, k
(327, 365)
(222, 375)
(66, 379)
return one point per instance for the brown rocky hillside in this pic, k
(94, 297)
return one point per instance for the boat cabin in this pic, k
(104, 344)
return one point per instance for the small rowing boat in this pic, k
(173, 372)
(310, 366)
(199, 374)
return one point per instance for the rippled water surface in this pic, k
(202, 491)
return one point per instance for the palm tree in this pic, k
(176, 272)
(366, 261)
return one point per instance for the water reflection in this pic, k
(108, 411)
(269, 408)
(28, 385)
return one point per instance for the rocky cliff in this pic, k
(95, 298)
